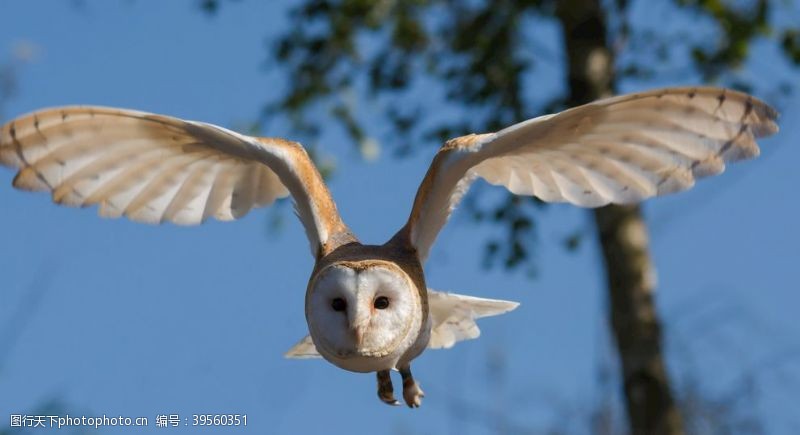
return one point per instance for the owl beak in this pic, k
(358, 334)
(358, 328)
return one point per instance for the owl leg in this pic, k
(412, 393)
(385, 389)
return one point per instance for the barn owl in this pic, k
(368, 307)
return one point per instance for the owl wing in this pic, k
(304, 349)
(452, 319)
(617, 150)
(153, 168)
(453, 316)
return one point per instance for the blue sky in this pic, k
(140, 320)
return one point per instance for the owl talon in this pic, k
(385, 389)
(412, 393)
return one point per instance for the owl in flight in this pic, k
(368, 307)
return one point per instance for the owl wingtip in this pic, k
(771, 113)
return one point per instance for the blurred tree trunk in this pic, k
(624, 241)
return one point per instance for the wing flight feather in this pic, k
(153, 168)
(617, 150)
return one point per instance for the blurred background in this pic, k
(107, 317)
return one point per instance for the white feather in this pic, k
(618, 150)
(304, 349)
(453, 316)
(155, 169)
(452, 320)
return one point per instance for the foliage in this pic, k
(22, 52)
(436, 69)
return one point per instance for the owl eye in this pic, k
(381, 302)
(338, 304)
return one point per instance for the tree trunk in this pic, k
(624, 242)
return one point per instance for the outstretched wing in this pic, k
(453, 316)
(152, 168)
(452, 320)
(304, 349)
(617, 150)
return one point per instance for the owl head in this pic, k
(360, 313)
